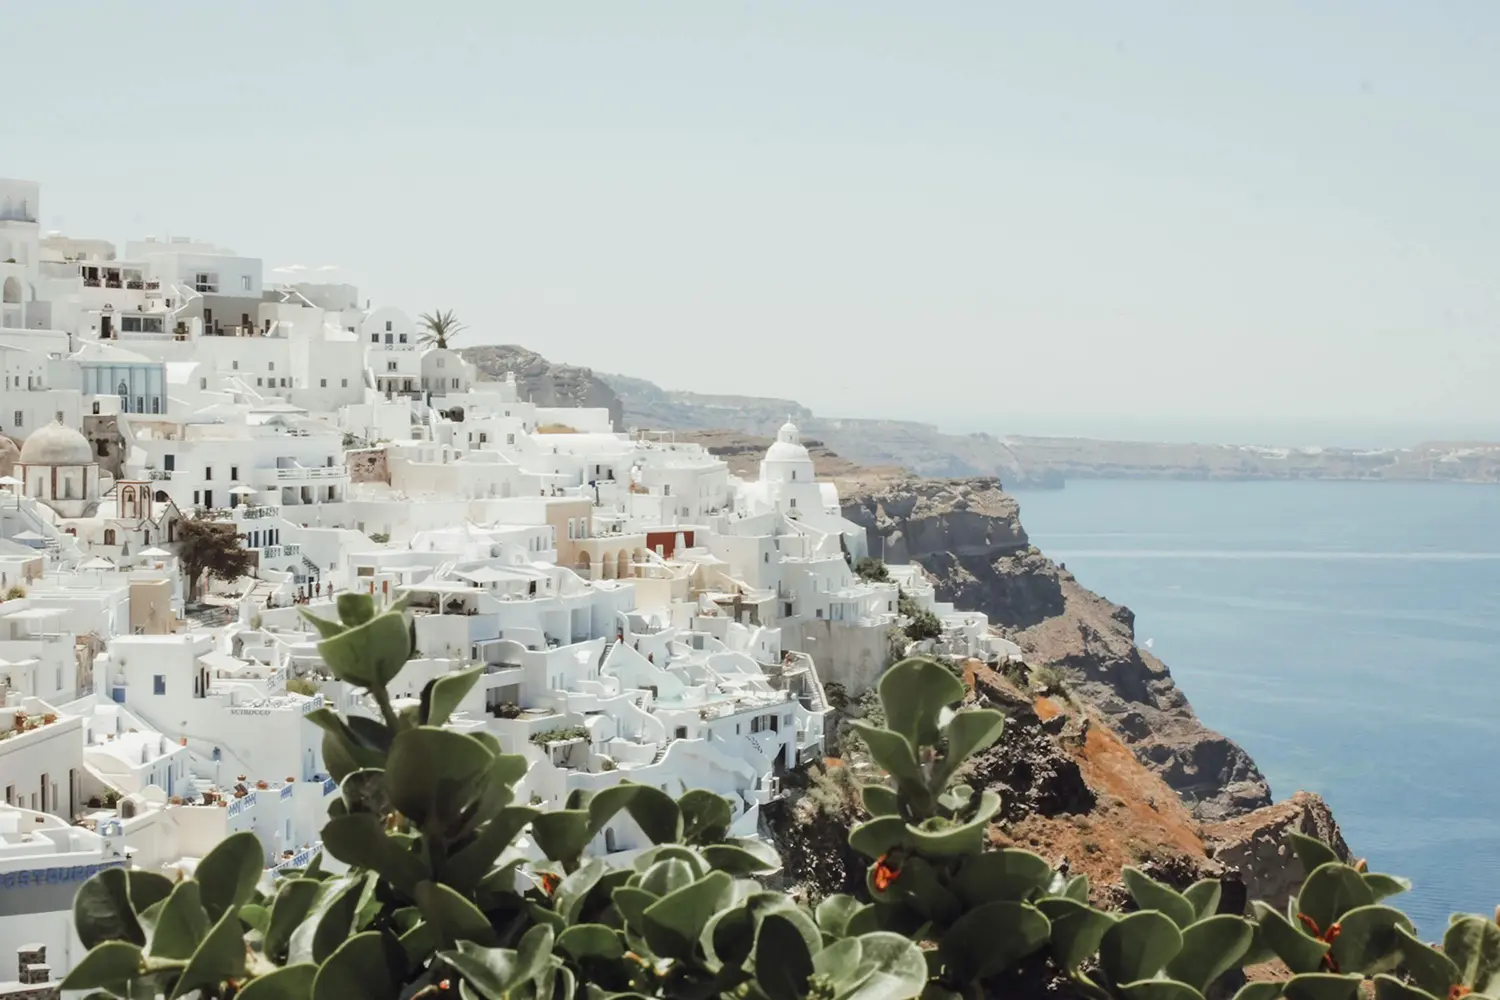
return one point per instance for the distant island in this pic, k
(1019, 461)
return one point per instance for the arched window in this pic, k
(155, 404)
(109, 536)
(123, 391)
(161, 496)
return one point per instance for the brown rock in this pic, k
(1255, 845)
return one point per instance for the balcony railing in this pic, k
(92, 282)
(160, 474)
(316, 472)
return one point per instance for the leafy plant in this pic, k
(872, 569)
(439, 326)
(559, 735)
(439, 899)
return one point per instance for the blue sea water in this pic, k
(1347, 635)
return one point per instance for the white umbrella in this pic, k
(243, 490)
(153, 553)
(99, 564)
(10, 481)
(28, 536)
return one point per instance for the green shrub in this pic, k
(872, 569)
(559, 735)
(301, 685)
(427, 910)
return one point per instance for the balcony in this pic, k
(158, 475)
(92, 282)
(316, 472)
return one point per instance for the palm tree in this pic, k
(438, 326)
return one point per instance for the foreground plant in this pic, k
(438, 900)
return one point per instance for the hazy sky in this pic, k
(1213, 220)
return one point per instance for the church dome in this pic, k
(56, 444)
(788, 446)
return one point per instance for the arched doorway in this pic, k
(623, 569)
(11, 293)
(607, 566)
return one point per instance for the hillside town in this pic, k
(194, 457)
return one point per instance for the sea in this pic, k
(1347, 635)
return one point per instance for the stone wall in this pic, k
(368, 465)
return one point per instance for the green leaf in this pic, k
(992, 938)
(255, 918)
(728, 938)
(228, 874)
(1391, 988)
(969, 731)
(453, 917)
(653, 810)
(1473, 943)
(1077, 929)
(1077, 888)
(668, 875)
(839, 962)
(180, 925)
(1138, 946)
(632, 903)
(294, 897)
(706, 816)
(295, 982)
(880, 800)
(753, 858)
(1210, 948)
(782, 959)
(1204, 895)
(562, 834)
(472, 863)
(1367, 942)
(327, 629)
(585, 941)
(893, 752)
(672, 924)
(1313, 853)
(891, 967)
(939, 837)
(448, 693)
(1433, 971)
(102, 910)
(221, 956)
(434, 772)
(1299, 951)
(107, 966)
(1383, 886)
(495, 972)
(360, 841)
(1160, 989)
(833, 913)
(1330, 892)
(371, 654)
(360, 967)
(355, 608)
(1259, 991)
(147, 888)
(1009, 873)
(1321, 986)
(914, 693)
(878, 837)
(329, 921)
(1152, 895)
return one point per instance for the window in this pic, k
(109, 536)
(387, 326)
(343, 383)
(794, 473)
(159, 684)
(19, 421)
(234, 365)
(440, 362)
(510, 439)
(234, 472)
(455, 383)
(765, 557)
(794, 503)
(270, 366)
(285, 382)
(374, 338)
(571, 527)
(155, 404)
(322, 383)
(245, 285)
(197, 498)
(820, 612)
(208, 498)
(403, 338)
(390, 366)
(208, 472)
(140, 404)
(259, 381)
(169, 462)
(203, 383)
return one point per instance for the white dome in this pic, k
(56, 444)
(788, 446)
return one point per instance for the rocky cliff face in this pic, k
(546, 383)
(967, 534)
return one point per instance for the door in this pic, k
(106, 327)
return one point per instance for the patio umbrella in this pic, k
(243, 490)
(154, 553)
(97, 563)
(9, 481)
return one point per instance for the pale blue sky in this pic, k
(1271, 220)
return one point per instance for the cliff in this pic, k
(967, 534)
(926, 450)
(543, 382)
